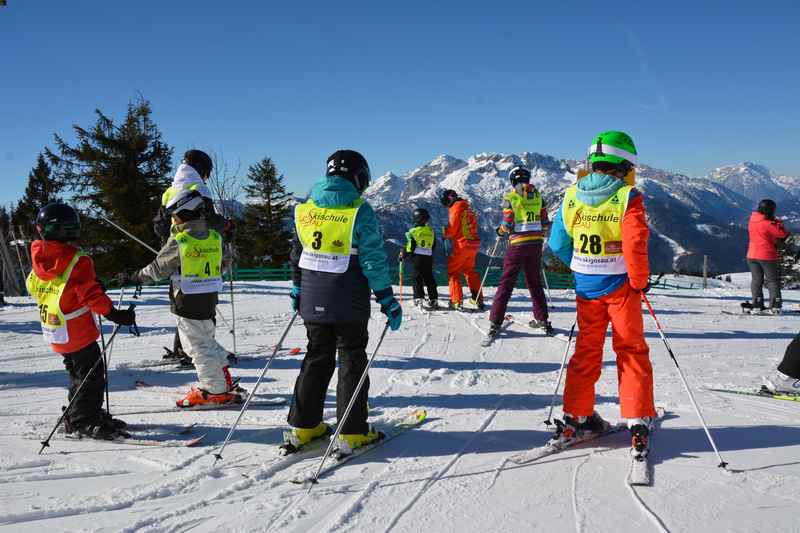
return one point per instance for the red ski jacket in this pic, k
(764, 235)
(50, 259)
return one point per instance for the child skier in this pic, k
(193, 173)
(420, 245)
(524, 221)
(64, 285)
(192, 259)
(600, 231)
(337, 258)
(462, 230)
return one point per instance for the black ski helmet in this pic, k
(350, 165)
(448, 197)
(200, 161)
(58, 221)
(421, 216)
(519, 175)
(767, 207)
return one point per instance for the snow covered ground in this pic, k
(450, 474)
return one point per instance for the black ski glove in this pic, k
(123, 317)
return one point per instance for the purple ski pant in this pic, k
(528, 258)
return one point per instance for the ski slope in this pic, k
(449, 475)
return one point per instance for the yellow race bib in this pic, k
(423, 236)
(47, 294)
(326, 235)
(201, 263)
(596, 232)
(527, 212)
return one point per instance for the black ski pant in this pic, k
(423, 277)
(88, 406)
(791, 359)
(350, 339)
(765, 271)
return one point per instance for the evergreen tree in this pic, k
(119, 170)
(267, 240)
(42, 189)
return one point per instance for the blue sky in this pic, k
(697, 84)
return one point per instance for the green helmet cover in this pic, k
(612, 147)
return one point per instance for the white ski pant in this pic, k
(197, 338)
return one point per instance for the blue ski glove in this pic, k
(391, 308)
(295, 296)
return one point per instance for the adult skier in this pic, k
(337, 258)
(765, 231)
(462, 230)
(193, 173)
(64, 286)
(600, 231)
(420, 245)
(524, 221)
(192, 259)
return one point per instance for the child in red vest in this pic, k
(68, 295)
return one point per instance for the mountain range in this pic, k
(689, 217)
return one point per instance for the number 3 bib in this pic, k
(326, 235)
(596, 232)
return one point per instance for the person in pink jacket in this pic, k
(762, 257)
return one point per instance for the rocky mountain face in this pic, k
(688, 217)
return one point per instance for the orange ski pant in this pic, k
(623, 309)
(462, 261)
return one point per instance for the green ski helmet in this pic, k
(614, 148)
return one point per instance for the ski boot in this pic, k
(432, 304)
(751, 309)
(542, 324)
(780, 383)
(491, 335)
(350, 441)
(455, 306)
(115, 422)
(198, 397)
(297, 438)
(100, 429)
(774, 310)
(478, 303)
(640, 431)
(418, 303)
(571, 427)
(233, 384)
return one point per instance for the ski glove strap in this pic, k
(295, 296)
(391, 308)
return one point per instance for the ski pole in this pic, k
(111, 349)
(342, 421)
(489, 266)
(105, 360)
(400, 274)
(132, 236)
(46, 443)
(722, 464)
(560, 374)
(233, 307)
(547, 287)
(250, 396)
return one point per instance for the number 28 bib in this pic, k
(596, 232)
(326, 235)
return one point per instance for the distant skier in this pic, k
(765, 232)
(786, 379)
(601, 232)
(64, 286)
(462, 230)
(524, 221)
(337, 258)
(192, 259)
(193, 174)
(420, 245)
